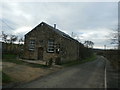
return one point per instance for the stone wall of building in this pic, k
(41, 35)
(69, 48)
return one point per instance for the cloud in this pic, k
(90, 20)
(22, 30)
(98, 36)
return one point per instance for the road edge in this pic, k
(105, 78)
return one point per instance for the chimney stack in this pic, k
(54, 26)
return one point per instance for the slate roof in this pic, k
(59, 32)
(56, 30)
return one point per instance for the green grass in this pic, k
(37, 65)
(13, 61)
(6, 78)
(71, 63)
(12, 58)
(9, 56)
(25, 63)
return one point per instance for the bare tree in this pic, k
(21, 40)
(4, 37)
(118, 38)
(88, 44)
(115, 37)
(13, 38)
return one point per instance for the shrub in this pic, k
(58, 61)
(50, 62)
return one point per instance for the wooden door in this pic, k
(40, 53)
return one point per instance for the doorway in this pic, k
(40, 53)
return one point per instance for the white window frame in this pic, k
(50, 45)
(32, 45)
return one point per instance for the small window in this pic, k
(50, 46)
(57, 48)
(57, 51)
(32, 45)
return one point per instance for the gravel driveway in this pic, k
(87, 75)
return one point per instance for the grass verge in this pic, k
(37, 65)
(25, 63)
(93, 57)
(12, 58)
(9, 56)
(6, 78)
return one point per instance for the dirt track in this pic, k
(87, 75)
(24, 73)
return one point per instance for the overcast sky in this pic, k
(89, 20)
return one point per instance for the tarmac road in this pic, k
(86, 75)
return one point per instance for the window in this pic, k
(50, 46)
(57, 46)
(32, 45)
(58, 51)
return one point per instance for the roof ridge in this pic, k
(63, 34)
